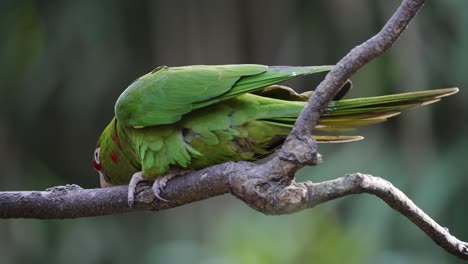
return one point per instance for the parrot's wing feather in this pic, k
(167, 93)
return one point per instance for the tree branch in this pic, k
(270, 187)
(242, 179)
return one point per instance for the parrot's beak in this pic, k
(104, 183)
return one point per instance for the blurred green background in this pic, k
(64, 63)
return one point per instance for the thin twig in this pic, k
(334, 80)
(396, 199)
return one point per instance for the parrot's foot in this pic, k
(136, 178)
(160, 183)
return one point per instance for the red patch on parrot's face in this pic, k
(114, 157)
(97, 166)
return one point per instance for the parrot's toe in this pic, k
(158, 187)
(160, 183)
(136, 178)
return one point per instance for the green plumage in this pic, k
(197, 116)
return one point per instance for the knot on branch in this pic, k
(300, 150)
(144, 194)
(269, 195)
(64, 188)
(357, 177)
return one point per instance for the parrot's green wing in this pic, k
(164, 95)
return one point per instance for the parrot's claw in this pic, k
(160, 183)
(136, 178)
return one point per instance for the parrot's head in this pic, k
(103, 176)
(100, 154)
(110, 157)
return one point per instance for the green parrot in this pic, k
(177, 119)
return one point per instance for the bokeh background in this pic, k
(64, 63)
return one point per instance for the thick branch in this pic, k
(244, 180)
(72, 201)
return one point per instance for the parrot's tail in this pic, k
(345, 115)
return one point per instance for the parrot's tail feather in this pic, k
(352, 113)
(431, 102)
(449, 92)
(346, 115)
(319, 138)
(337, 139)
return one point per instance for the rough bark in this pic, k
(270, 187)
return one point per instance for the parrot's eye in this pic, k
(96, 161)
(96, 155)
